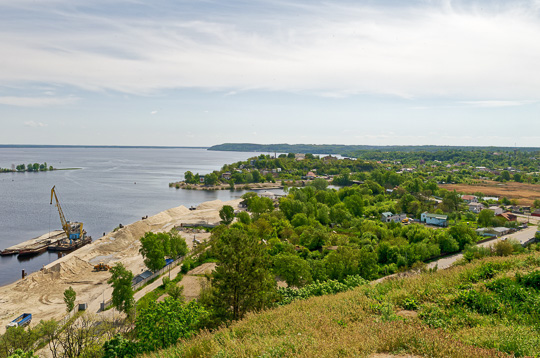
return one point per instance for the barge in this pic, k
(69, 245)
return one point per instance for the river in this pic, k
(113, 186)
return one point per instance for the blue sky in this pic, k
(198, 73)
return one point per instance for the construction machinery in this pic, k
(74, 231)
(101, 267)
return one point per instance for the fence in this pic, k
(70, 314)
(158, 273)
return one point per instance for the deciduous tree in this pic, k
(69, 298)
(122, 296)
(226, 214)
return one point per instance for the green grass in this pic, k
(488, 308)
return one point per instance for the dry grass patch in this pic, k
(523, 192)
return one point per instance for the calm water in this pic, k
(115, 185)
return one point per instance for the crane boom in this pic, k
(65, 224)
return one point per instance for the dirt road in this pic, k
(521, 236)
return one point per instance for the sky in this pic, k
(205, 72)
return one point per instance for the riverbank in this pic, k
(248, 186)
(41, 293)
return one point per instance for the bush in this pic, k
(289, 295)
(503, 248)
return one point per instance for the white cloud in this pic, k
(37, 101)
(34, 124)
(491, 104)
(153, 112)
(333, 50)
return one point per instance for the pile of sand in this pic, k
(41, 293)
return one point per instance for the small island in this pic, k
(36, 167)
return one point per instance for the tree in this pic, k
(355, 204)
(505, 175)
(293, 269)
(463, 234)
(176, 292)
(258, 205)
(448, 244)
(189, 177)
(69, 298)
(242, 281)
(256, 176)
(503, 248)
(17, 338)
(226, 214)
(177, 245)
(319, 183)
(153, 251)
(347, 261)
(485, 218)
(314, 238)
(244, 218)
(163, 323)
(81, 337)
(451, 201)
(122, 296)
(210, 179)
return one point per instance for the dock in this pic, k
(43, 240)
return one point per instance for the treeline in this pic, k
(347, 149)
(489, 158)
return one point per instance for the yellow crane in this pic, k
(69, 229)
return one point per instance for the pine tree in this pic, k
(242, 280)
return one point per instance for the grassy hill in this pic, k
(488, 308)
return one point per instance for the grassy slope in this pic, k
(364, 321)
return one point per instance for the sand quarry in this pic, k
(41, 293)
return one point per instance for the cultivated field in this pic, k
(524, 193)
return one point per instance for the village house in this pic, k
(508, 216)
(434, 219)
(299, 156)
(387, 217)
(496, 210)
(536, 212)
(476, 207)
(311, 175)
(469, 198)
(226, 176)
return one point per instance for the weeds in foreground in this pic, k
(487, 308)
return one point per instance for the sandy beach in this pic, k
(41, 293)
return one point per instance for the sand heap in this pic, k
(41, 293)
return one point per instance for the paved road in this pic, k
(522, 236)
